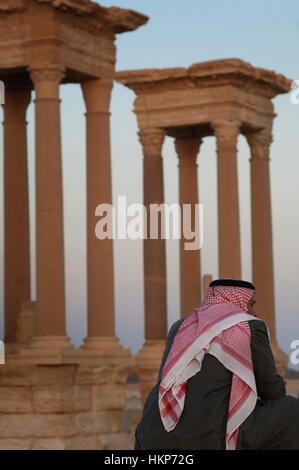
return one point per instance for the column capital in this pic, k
(152, 140)
(97, 94)
(46, 72)
(225, 129)
(259, 143)
(46, 79)
(187, 148)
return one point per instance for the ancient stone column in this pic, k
(190, 273)
(49, 209)
(16, 210)
(226, 133)
(262, 246)
(262, 249)
(147, 361)
(100, 277)
(154, 249)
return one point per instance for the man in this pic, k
(218, 386)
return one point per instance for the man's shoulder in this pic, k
(175, 326)
(257, 324)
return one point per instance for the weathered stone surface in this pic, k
(61, 406)
(17, 376)
(64, 375)
(208, 73)
(98, 422)
(108, 397)
(133, 396)
(15, 400)
(94, 375)
(131, 413)
(92, 442)
(23, 426)
(95, 25)
(120, 374)
(62, 399)
(15, 444)
(117, 441)
(48, 444)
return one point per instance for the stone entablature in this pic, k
(113, 19)
(77, 35)
(184, 101)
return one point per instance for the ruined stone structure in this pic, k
(221, 98)
(53, 395)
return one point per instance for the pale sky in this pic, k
(178, 34)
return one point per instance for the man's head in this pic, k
(235, 291)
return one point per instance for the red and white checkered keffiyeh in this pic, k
(219, 327)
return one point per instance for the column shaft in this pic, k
(190, 272)
(154, 249)
(49, 205)
(16, 209)
(262, 249)
(100, 274)
(227, 133)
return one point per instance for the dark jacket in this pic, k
(202, 424)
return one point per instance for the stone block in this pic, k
(91, 442)
(97, 422)
(117, 441)
(53, 375)
(94, 375)
(108, 397)
(28, 425)
(15, 444)
(17, 376)
(120, 374)
(15, 400)
(48, 444)
(62, 400)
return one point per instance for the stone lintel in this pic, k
(192, 118)
(184, 101)
(117, 20)
(10, 6)
(209, 73)
(76, 34)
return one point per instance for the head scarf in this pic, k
(219, 327)
(236, 295)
